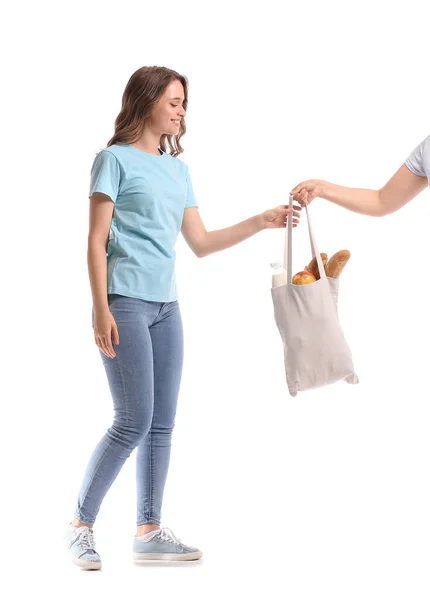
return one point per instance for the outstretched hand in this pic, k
(306, 191)
(277, 217)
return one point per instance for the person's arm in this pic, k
(101, 209)
(203, 242)
(398, 191)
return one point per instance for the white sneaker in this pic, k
(80, 542)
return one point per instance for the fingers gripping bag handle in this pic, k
(288, 247)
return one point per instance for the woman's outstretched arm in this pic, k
(398, 191)
(203, 242)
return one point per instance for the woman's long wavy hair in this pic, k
(143, 90)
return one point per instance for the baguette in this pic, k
(337, 263)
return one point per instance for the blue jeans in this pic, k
(144, 379)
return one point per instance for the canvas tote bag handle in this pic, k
(288, 248)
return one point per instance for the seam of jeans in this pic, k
(161, 308)
(110, 442)
(151, 495)
(152, 522)
(124, 393)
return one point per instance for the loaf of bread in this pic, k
(313, 266)
(337, 263)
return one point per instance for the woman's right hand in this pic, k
(105, 330)
(306, 191)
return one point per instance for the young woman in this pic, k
(141, 197)
(410, 179)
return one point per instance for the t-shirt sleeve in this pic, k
(415, 162)
(105, 175)
(190, 198)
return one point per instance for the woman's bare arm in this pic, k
(101, 210)
(403, 187)
(398, 191)
(203, 242)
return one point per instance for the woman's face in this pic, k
(168, 112)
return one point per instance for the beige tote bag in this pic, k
(315, 350)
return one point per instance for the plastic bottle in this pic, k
(279, 275)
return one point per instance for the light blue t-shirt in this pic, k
(150, 193)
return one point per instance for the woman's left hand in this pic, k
(277, 217)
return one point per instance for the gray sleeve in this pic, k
(414, 162)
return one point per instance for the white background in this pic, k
(325, 495)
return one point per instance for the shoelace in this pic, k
(86, 539)
(167, 535)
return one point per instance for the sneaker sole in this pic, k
(160, 556)
(87, 565)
